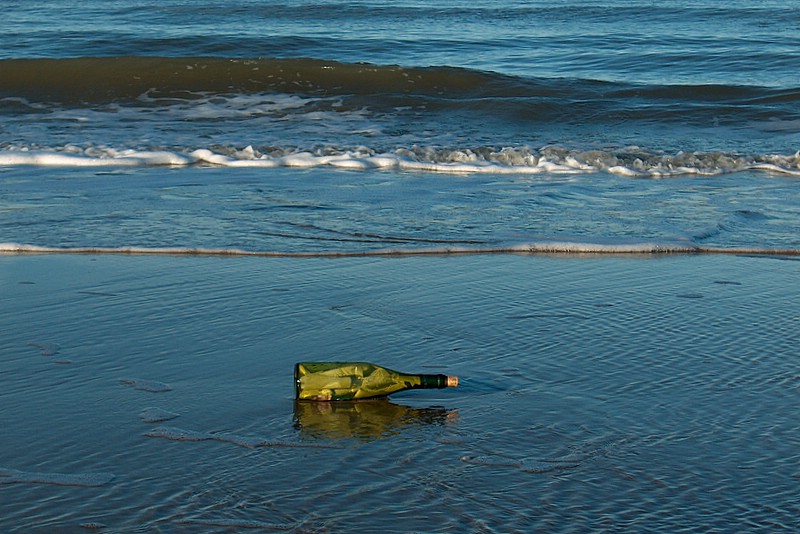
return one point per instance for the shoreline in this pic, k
(565, 249)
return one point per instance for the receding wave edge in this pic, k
(534, 248)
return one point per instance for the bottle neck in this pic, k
(433, 382)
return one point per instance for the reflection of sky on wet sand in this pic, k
(365, 420)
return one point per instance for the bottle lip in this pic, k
(451, 381)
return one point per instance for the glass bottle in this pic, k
(331, 381)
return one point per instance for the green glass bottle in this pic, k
(333, 381)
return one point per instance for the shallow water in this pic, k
(321, 211)
(597, 393)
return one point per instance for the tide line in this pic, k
(540, 248)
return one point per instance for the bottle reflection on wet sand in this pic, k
(365, 420)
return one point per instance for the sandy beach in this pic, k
(154, 393)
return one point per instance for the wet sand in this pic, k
(597, 393)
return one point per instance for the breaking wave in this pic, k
(633, 162)
(142, 110)
(89, 79)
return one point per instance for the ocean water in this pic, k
(587, 210)
(359, 126)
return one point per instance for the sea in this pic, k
(589, 210)
(350, 127)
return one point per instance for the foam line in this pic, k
(566, 248)
(506, 161)
(124, 159)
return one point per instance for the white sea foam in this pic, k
(520, 160)
(127, 158)
(546, 247)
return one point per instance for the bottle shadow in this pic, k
(364, 420)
